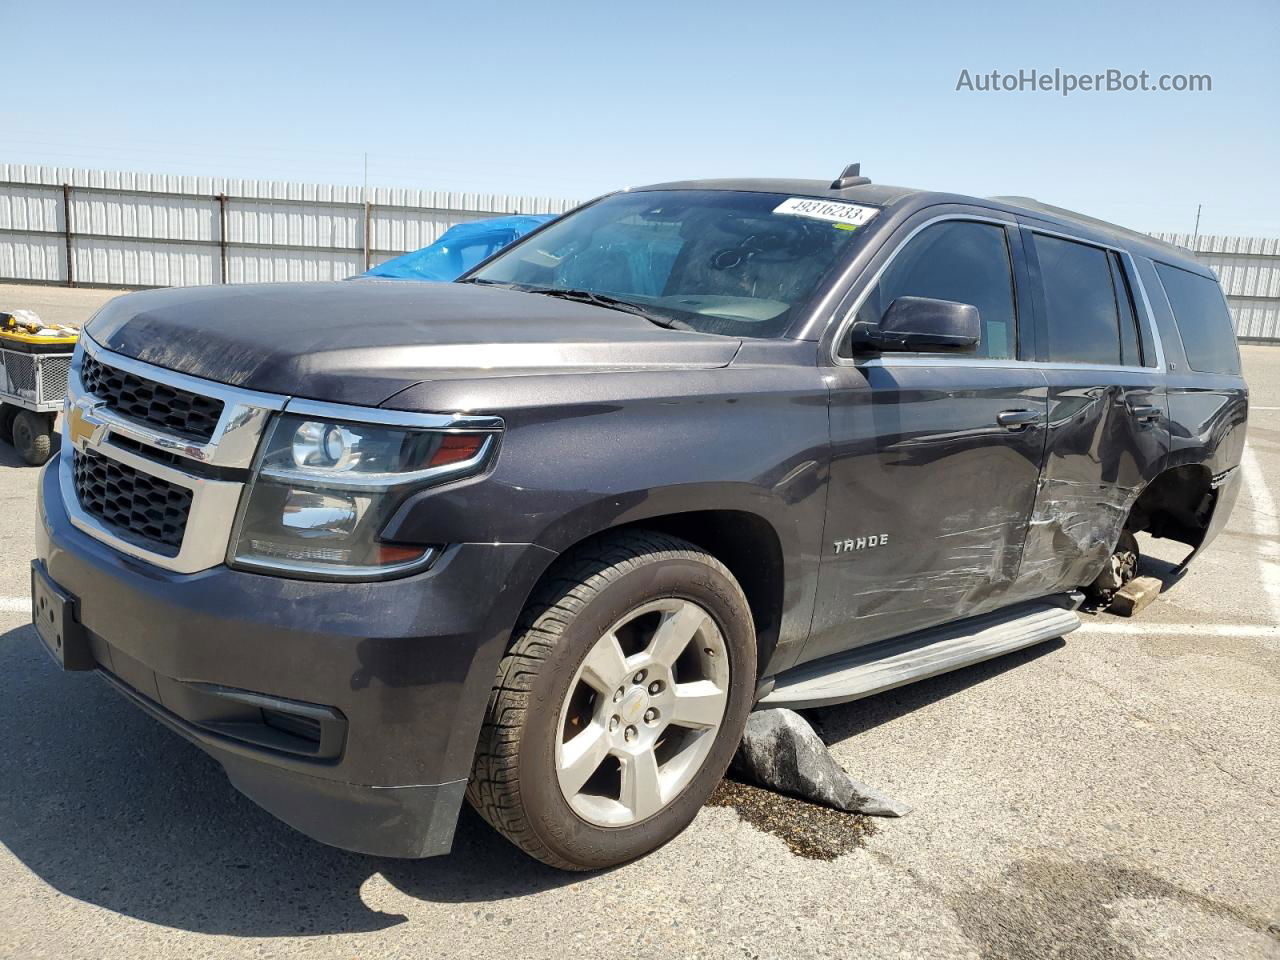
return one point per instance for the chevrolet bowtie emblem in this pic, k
(83, 428)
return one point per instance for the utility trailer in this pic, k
(34, 363)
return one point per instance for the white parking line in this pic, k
(1185, 629)
(15, 604)
(1266, 521)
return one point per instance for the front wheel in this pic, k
(619, 704)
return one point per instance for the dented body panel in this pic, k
(1098, 460)
(925, 436)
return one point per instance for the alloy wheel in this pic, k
(642, 712)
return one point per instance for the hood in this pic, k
(362, 341)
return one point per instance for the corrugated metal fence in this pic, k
(1249, 268)
(101, 228)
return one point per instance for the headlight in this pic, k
(324, 489)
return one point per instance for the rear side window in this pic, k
(960, 260)
(1090, 312)
(1203, 319)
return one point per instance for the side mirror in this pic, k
(922, 323)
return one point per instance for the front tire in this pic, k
(619, 704)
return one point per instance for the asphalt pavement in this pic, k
(1111, 794)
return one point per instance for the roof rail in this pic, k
(1038, 206)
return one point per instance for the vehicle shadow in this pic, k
(108, 806)
(1169, 574)
(846, 720)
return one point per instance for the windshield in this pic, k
(715, 261)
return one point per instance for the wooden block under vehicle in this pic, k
(1135, 596)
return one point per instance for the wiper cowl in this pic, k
(604, 300)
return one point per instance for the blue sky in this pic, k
(573, 98)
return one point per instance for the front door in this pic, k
(935, 457)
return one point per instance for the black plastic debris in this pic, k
(782, 752)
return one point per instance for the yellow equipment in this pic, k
(24, 329)
(35, 359)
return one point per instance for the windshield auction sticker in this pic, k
(832, 210)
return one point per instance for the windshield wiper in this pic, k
(604, 300)
(487, 283)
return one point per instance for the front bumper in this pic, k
(400, 671)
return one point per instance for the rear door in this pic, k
(935, 457)
(1108, 430)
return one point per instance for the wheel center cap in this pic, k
(634, 706)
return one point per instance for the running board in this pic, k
(891, 663)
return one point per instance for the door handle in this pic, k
(1144, 412)
(1018, 419)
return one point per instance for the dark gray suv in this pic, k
(544, 537)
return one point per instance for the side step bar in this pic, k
(891, 663)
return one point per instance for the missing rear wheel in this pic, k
(1122, 566)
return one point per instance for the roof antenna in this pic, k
(850, 178)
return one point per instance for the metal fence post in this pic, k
(222, 233)
(368, 216)
(66, 222)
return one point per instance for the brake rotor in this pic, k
(1121, 567)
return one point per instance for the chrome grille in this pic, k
(149, 401)
(141, 508)
(134, 474)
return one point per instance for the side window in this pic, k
(1203, 319)
(1081, 303)
(960, 260)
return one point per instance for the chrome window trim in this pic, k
(235, 438)
(922, 360)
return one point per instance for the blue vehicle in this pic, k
(459, 249)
